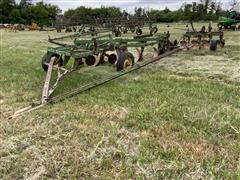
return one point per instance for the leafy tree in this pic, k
(6, 7)
(53, 12)
(15, 17)
(25, 9)
(85, 15)
(44, 14)
(40, 14)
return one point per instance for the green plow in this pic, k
(98, 50)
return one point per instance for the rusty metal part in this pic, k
(203, 38)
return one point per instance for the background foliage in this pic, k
(27, 12)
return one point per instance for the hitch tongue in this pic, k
(46, 87)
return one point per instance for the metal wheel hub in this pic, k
(127, 63)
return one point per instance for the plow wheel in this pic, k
(90, 60)
(125, 61)
(112, 58)
(47, 58)
(213, 45)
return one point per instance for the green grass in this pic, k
(175, 119)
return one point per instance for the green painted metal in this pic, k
(230, 21)
(84, 47)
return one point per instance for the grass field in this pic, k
(176, 119)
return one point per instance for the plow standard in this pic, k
(98, 50)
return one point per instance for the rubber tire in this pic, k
(139, 32)
(121, 59)
(46, 59)
(213, 45)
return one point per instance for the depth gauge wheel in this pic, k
(213, 45)
(47, 58)
(125, 61)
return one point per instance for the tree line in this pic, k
(26, 12)
(204, 10)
